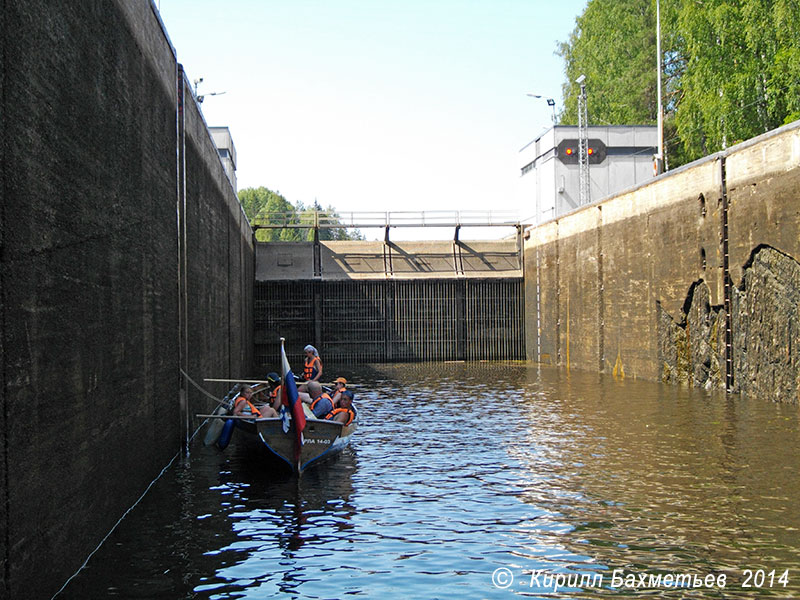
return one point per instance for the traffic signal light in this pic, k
(567, 152)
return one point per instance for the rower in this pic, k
(321, 403)
(274, 396)
(244, 408)
(340, 385)
(345, 413)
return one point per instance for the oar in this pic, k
(262, 381)
(226, 417)
(238, 380)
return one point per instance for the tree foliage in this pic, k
(263, 206)
(731, 68)
(613, 46)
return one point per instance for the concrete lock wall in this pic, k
(89, 278)
(635, 285)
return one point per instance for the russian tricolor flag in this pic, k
(289, 391)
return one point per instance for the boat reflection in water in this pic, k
(274, 516)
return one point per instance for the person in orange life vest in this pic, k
(321, 403)
(345, 413)
(243, 407)
(312, 365)
(273, 397)
(340, 385)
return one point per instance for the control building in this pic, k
(227, 152)
(620, 156)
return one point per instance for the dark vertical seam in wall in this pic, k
(558, 298)
(183, 333)
(244, 326)
(601, 309)
(726, 274)
(3, 145)
(253, 301)
(229, 290)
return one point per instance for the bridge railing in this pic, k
(381, 219)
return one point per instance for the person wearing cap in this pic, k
(344, 413)
(274, 396)
(312, 365)
(339, 386)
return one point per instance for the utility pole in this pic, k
(658, 159)
(583, 144)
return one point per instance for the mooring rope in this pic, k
(125, 514)
(147, 489)
(202, 390)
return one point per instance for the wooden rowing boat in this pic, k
(322, 439)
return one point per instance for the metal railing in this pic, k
(379, 219)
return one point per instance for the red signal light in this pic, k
(569, 151)
(590, 151)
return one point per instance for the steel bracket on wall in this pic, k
(387, 254)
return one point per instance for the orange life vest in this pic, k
(253, 410)
(336, 411)
(320, 397)
(310, 369)
(276, 393)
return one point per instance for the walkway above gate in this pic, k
(441, 259)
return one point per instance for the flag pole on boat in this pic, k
(289, 390)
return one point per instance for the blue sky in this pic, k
(373, 105)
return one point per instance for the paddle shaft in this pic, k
(262, 381)
(226, 417)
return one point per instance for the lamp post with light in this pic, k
(658, 159)
(550, 102)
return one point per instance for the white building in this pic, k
(227, 152)
(621, 156)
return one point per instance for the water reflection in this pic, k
(275, 518)
(461, 469)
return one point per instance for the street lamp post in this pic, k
(550, 102)
(658, 165)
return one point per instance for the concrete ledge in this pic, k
(341, 260)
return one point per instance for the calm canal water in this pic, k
(484, 481)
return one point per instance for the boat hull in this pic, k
(321, 440)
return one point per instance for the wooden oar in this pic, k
(238, 380)
(262, 381)
(226, 417)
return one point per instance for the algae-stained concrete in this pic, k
(89, 276)
(634, 285)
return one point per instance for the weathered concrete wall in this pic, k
(220, 267)
(635, 285)
(89, 276)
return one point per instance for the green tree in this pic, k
(742, 71)
(262, 206)
(731, 69)
(613, 45)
